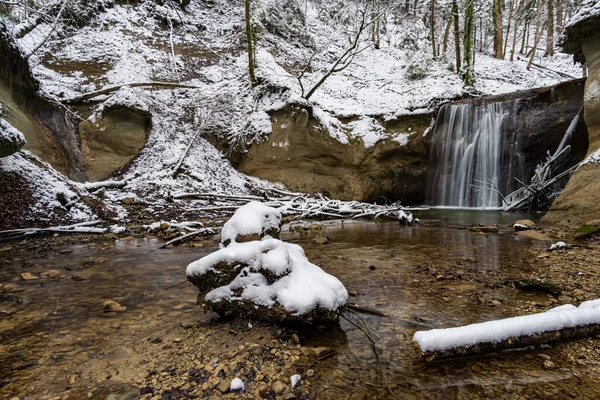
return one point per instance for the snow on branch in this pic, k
(304, 206)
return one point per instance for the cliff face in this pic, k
(579, 203)
(301, 154)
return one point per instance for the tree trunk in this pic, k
(514, 342)
(456, 35)
(447, 34)
(550, 37)
(432, 23)
(510, 12)
(469, 76)
(514, 44)
(249, 39)
(538, 32)
(498, 29)
(559, 15)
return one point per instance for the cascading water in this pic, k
(475, 155)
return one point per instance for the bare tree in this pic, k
(514, 43)
(469, 75)
(550, 32)
(538, 33)
(432, 23)
(344, 60)
(456, 34)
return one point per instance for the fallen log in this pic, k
(576, 332)
(110, 89)
(561, 323)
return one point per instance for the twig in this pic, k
(367, 334)
(187, 236)
(175, 284)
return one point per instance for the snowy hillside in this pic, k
(203, 49)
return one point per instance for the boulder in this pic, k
(534, 235)
(484, 229)
(11, 140)
(264, 279)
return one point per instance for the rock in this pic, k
(524, 224)
(278, 387)
(534, 235)
(78, 278)
(188, 324)
(236, 385)
(538, 285)
(127, 201)
(111, 305)
(310, 372)
(295, 338)
(110, 236)
(251, 222)
(353, 293)
(223, 386)
(321, 239)
(484, 229)
(315, 227)
(51, 274)
(11, 140)
(26, 276)
(315, 351)
(549, 365)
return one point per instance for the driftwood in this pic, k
(110, 89)
(83, 227)
(542, 182)
(576, 332)
(203, 231)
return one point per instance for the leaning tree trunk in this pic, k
(510, 11)
(538, 33)
(447, 34)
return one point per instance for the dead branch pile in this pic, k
(304, 206)
(83, 227)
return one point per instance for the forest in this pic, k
(299, 199)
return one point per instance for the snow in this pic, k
(46, 185)
(587, 9)
(592, 158)
(295, 379)
(558, 245)
(236, 385)
(252, 218)
(566, 316)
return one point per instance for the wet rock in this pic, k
(295, 338)
(26, 276)
(549, 365)
(538, 285)
(534, 235)
(524, 225)
(321, 239)
(315, 351)
(77, 278)
(484, 229)
(188, 324)
(315, 227)
(353, 293)
(51, 274)
(111, 305)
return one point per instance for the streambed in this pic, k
(58, 343)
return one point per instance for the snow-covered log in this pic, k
(560, 323)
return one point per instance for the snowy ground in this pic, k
(128, 43)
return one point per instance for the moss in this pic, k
(586, 231)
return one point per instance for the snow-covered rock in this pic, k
(237, 385)
(265, 279)
(251, 222)
(11, 140)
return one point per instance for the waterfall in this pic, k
(475, 155)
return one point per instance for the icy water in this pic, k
(437, 274)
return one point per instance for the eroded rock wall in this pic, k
(579, 202)
(301, 154)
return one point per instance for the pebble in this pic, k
(52, 273)
(111, 305)
(278, 387)
(26, 276)
(549, 364)
(295, 338)
(310, 372)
